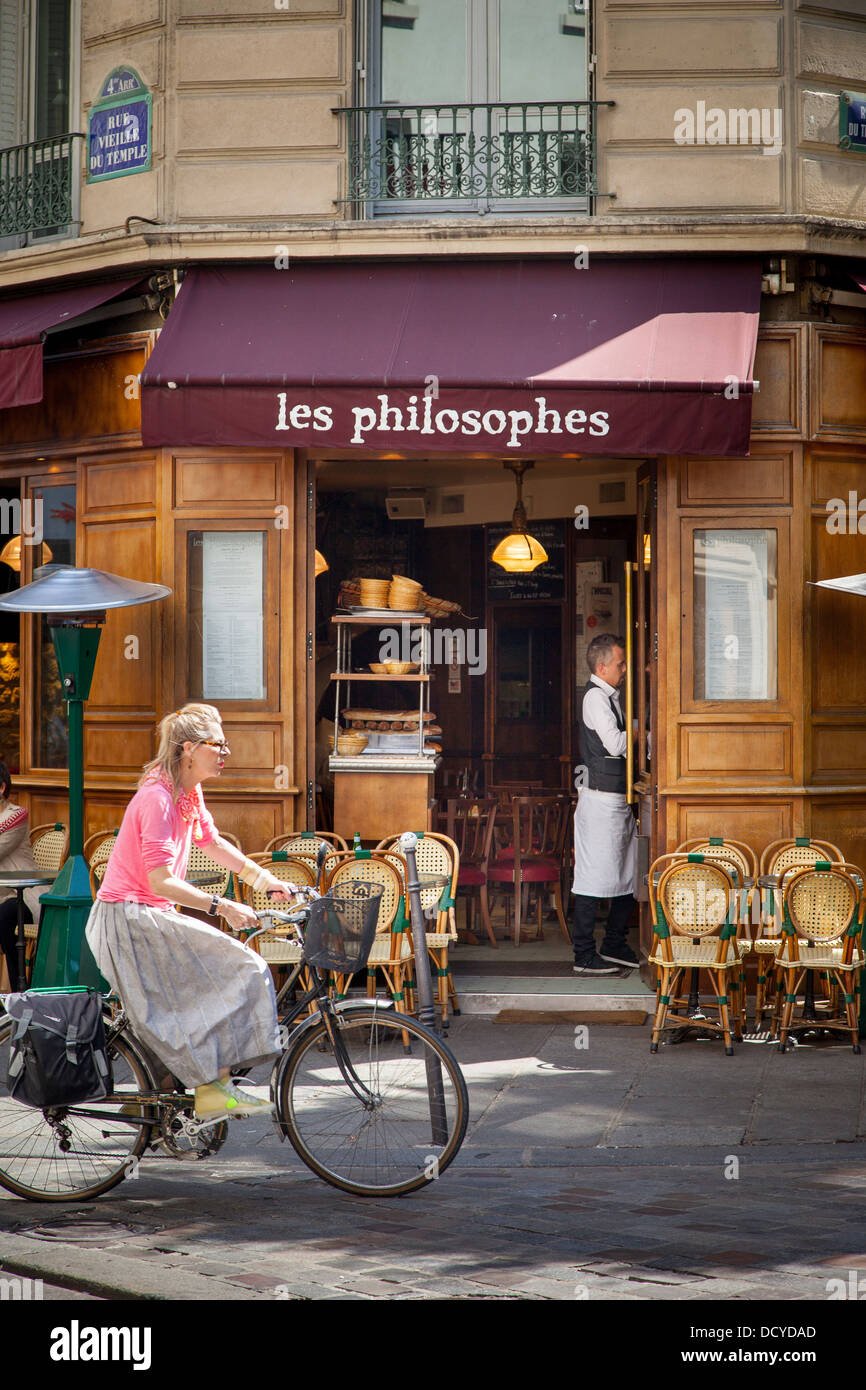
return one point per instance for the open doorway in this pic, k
(506, 710)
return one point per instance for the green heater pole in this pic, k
(74, 602)
(62, 954)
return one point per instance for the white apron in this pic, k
(605, 845)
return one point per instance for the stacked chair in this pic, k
(281, 952)
(694, 906)
(392, 947)
(822, 923)
(779, 861)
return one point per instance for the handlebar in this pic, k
(291, 918)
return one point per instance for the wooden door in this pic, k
(644, 677)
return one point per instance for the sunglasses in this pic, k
(216, 743)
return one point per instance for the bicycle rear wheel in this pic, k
(402, 1137)
(69, 1155)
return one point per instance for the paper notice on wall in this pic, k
(600, 614)
(232, 615)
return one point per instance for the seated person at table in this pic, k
(15, 853)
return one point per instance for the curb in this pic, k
(110, 1276)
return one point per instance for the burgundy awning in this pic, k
(625, 357)
(23, 323)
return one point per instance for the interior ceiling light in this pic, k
(321, 564)
(519, 553)
(11, 554)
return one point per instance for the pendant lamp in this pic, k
(519, 553)
(321, 564)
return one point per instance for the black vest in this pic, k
(605, 773)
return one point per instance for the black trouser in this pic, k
(9, 935)
(582, 930)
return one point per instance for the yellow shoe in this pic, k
(225, 1098)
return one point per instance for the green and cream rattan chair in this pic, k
(694, 908)
(392, 946)
(822, 924)
(281, 952)
(49, 845)
(779, 860)
(436, 855)
(742, 862)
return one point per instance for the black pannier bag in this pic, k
(58, 1055)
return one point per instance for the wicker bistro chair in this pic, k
(392, 947)
(49, 845)
(282, 953)
(471, 825)
(694, 909)
(779, 861)
(531, 858)
(822, 922)
(741, 862)
(435, 854)
(305, 844)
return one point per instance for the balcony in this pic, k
(490, 155)
(39, 190)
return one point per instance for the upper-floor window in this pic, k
(38, 186)
(473, 102)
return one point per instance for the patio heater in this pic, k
(848, 584)
(74, 602)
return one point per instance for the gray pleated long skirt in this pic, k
(196, 997)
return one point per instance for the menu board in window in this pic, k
(226, 599)
(735, 591)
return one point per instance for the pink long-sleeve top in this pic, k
(156, 831)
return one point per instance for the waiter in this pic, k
(605, 834)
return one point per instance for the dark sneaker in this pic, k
(620, 955)
(593, 965)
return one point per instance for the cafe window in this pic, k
(735, 614)
(232, 639)
(51, 542)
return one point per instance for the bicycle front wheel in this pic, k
(404, 1127)
(68, 1155)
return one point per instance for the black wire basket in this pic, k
(339, 931)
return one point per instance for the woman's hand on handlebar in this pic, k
(238, 915)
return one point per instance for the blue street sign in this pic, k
(852, 121)
(119, 128)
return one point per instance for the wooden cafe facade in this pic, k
(718, 395)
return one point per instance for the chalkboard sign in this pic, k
(545, 582)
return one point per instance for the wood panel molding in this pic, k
(110, 747)
(736, 750)
(839, 753)
(757, 822)
(247, 481)
(765, 479)
(120, 483)
(838, 383)
(780, 367)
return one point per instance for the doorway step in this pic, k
(539, 976)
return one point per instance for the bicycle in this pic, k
(372, 1101)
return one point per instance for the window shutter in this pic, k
(11, 61)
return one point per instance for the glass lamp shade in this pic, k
(11, 554)
(519, 553)
(321, 564)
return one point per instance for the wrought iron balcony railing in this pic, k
(493, 151)
(39, 187)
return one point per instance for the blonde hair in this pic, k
(190, 724)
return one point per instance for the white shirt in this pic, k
(598, 716)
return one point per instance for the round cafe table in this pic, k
(19, 879)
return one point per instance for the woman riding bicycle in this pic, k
(203, 1003)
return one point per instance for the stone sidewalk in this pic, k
(596, 1172)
